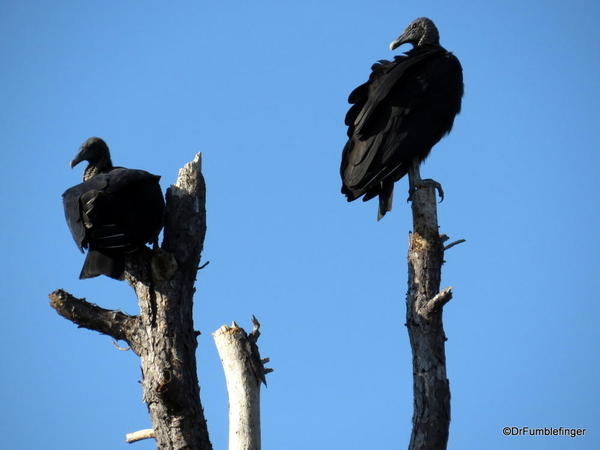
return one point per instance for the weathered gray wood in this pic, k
(166, 341)
(244, 372)
(424, 304)
(163, 335)
(139, 435)
(113, 323)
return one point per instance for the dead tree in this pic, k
(424, 306)
(162, 335)
(244, 373)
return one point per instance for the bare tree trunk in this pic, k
(244, 372)
(162, 335)
(424, 304)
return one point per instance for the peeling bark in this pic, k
(424, 305)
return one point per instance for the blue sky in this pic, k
(260, 89)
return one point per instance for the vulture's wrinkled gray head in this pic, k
(421, 31)
(95, 151)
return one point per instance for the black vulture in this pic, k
(113, 213)
(399, 114)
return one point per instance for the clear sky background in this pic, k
(260, 89)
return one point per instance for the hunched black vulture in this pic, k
(113, 213)
(399, 114)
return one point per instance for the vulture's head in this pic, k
(421, 31)
(95, 152)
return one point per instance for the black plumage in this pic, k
(113, 213)
(399, 114)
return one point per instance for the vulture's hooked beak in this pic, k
(76, 160)
(402, 39)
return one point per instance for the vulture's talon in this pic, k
(428, 182)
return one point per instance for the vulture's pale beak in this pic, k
(404, 38)
(76, 160)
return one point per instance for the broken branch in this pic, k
(452, 244)
(244, 372)
(139, 435)
(436, 303)
(113, 323)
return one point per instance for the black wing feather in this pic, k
(404, 108)
(71, 198)
(113, 214)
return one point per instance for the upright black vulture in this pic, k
(399, 114)
(113, 213)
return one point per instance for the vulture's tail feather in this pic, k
(385, 199)
(97, 263)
